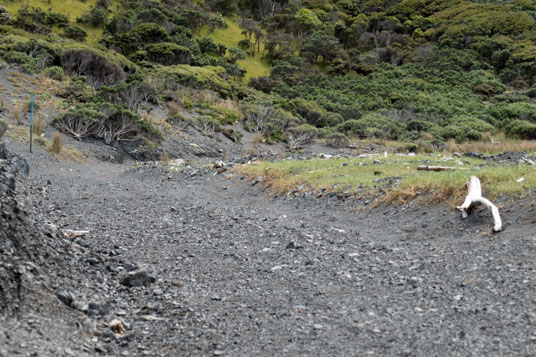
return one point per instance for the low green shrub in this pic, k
(372, 125)
(338, 140)
(75, 32)
(521, 129)
(55, 72)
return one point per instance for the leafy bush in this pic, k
(103, 120)
(208, 46)
(263, 84)
(32, 55)
(372, 125)
(521, 129)
(298, 137)
(168, 53)
(505, 112)
(55, 18)
(55, 72)
(98, 66)
(310, 111)
(32, 20)
(267, 119)
(75, 32)
(236, 54)
(5, 16)
(338, 140)
(95, 17)
(139, 36)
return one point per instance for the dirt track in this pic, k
(241, 273)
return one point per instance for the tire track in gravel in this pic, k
(258, 275)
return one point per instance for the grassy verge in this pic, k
(395, 178)
(255, 66)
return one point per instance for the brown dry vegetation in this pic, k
(57, 143)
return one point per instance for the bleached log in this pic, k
(474, 195)
(439, 168)
(69, 233)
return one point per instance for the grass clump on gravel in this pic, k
(395, 178)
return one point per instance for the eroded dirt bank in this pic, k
(233, 271)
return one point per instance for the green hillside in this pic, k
(412, 70)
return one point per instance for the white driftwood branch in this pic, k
(439, 168)
(69, 233)
(474, 195)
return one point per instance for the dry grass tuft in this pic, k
(165, 159)
(257, 138)
(174, 108)
(205, 97)
(57, 143)
(17, 114)
(228, 105)
(3, 128)
(38, 125)
(495, 145)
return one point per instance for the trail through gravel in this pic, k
(238, 272)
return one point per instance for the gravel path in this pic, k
(238, 272)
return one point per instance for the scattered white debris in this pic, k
(521, 179)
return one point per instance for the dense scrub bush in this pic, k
(505, 112)
(297, 137)
(97, 66)
(32, 20)
(139, 36)
(5, 16)
(32, 56)
(55, 72)
(75, 32)
(95, 17)
(168, 53)
(132, 95)
(521, 129)
(263, 84)
(104, 121)
(372, 125)
(311, 112)
(153, 15)
(236, 54)
(55, 18)
(208, 46)
(338, 140)
(207, 77)
(264, 118)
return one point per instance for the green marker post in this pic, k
(31, 124)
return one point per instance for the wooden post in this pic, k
(474, 195)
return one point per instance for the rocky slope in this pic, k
(196, 263)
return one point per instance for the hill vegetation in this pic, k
(412, 70)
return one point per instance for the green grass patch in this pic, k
(255, 66)
(396, 179)
(71, 8)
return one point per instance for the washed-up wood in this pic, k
(439, 168)
(69, 233)
(474, 195)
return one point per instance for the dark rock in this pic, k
(66, 297)
(293, 245)
(97, 309)
(474, 154)
(136, 279)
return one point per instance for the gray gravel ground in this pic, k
(238, 272)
